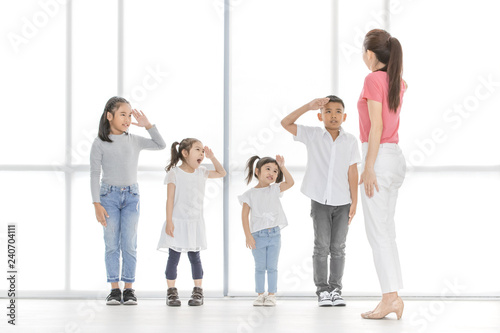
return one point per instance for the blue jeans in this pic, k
(120, 234)
(265, 254)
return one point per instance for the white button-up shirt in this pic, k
(326, 178)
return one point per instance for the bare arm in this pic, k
(352, 176)
(288, 122)
(368, 176)
(245, 212)
(169, 229)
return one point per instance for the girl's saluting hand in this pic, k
(280, 160)
(208, 152)
(142, 120)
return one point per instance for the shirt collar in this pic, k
(341, 132)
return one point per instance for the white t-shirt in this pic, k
(326, 177)
(187, 215)
(265, 207)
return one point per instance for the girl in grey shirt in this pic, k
(116, 198)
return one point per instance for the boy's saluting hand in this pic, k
(318, 103)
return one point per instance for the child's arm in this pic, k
(352, 176)
(169, 229)
(288, 122)
(245, 212)
(219, 169)
(288, 182)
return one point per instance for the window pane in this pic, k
(34, 82)
(35, 201)
(94, 70)
(277, 65)
(174, 70)
(150, 274)
(450, 113)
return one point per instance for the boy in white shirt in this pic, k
(330, 181)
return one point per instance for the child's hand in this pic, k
(318, 103)
(352, 212)
(208, 152)
(169, 229)
(280, 160)
(101, 214)
(142, 120)
(250, 242)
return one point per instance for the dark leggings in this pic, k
(173, 261)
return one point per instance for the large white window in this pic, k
(62, 62)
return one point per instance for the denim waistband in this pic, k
(131, 188)
(268, 231)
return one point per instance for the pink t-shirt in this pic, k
(376, 88)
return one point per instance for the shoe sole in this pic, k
(113, 302)
(325, 304)
(339, 304)
(258, 305)
(174, 305)
(130, 302)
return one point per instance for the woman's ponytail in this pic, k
(395, 72)
(250, 163)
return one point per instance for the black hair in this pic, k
(335, 99)
(262, 161)
(111, 106)
(176, 154)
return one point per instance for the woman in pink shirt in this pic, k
(384, 165)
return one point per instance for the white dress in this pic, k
(265, 207)
(187, 215)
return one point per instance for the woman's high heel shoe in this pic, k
(397, 307)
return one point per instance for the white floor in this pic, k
(238, 315)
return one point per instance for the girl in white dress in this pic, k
(184, 228)
(262, 230)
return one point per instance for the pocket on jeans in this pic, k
(104, 191)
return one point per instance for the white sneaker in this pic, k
(337, 300)
(270, 300)
(324, 299)
(259, 301)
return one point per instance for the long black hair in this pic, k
(262, 161)
(388, 51)
(176, 154)
(111, 106)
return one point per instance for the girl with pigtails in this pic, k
(184, 228)
(263, 218)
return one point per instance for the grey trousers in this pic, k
(330, 233)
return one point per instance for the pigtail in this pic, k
(249, 167)
(174, 156)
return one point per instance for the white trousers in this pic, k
(379, 210)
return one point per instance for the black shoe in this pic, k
(115, 297)
(196, 297)
(173, 297)
(129, 297)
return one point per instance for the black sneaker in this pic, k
(173, 297)
(129, 297)
(196, 297)
(115, 297)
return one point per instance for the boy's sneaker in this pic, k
(259, 301)
(337, 300)
(324, 299)
(270, 300)
(115, 297)
(173, 297)
(129, 297)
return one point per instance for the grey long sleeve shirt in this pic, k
(119, 159)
